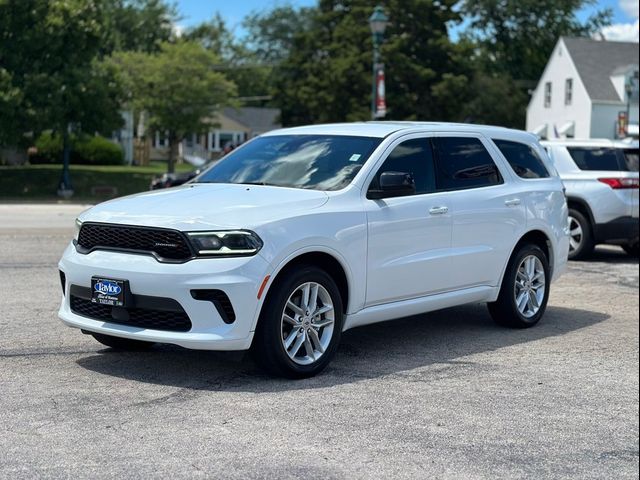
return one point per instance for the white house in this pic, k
(586, 88)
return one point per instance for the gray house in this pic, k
(587, 87)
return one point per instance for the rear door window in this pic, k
(599, 158)
(523, 159)
(464, 162)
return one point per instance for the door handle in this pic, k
(513, 202)
(438, 210)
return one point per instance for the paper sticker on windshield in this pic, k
(355, 157)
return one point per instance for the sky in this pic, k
(193, 12)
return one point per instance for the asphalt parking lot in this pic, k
(443, 395)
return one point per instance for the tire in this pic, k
(581, 236)
(631, 249)
(505, 310)
(124, 344)
(278, 323)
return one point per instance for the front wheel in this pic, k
(300, 324)
(525, 291)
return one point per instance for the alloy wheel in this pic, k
(307, 323)
(576, 235)
(530, 286)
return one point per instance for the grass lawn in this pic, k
(40, 182)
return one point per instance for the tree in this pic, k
(138, 25)
(177, 88)
(51, 70)
(238, 62)
(517, 37)
(513, 41)
(326, 74)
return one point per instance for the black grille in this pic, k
(173, 321)
(220, 300)
(164, 244)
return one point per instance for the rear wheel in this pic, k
(631, 249)
(580, 237)
(300, 324)
(118, 343)
(525, 291)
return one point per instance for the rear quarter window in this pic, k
(599, 158)
(631, 158)
(524, 160)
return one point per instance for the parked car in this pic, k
(303, 233)
(601, 180)
(168, 180)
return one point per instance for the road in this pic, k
(446, 395)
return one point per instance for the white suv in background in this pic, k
(303, 233)
(601, 180)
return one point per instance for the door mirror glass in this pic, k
(394, 184)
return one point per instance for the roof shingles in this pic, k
(597, 60)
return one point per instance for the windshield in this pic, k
(604, 158)
(319, 162)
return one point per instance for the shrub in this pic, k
(85, 150)
(97, 151)
(49, 149)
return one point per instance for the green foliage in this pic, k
(176, 88)
(49, 51)
(98, 151)
(325, 55)
(87, 150)
(240, 63)
(138, 25)
(517, 37)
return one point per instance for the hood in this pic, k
(202, 206)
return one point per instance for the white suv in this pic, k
(306, 232)
(601, 178)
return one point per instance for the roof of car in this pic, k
(382, 129)
(590, 142)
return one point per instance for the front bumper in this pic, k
(620, 230)
(239, 278)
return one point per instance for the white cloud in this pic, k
(622, 32)
(629, 7)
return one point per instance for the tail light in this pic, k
(620, 183)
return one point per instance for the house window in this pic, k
(568, 91)
(219, 139)
(547, 95)
(161, 142)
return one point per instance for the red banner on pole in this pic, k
(381, 104)
(623, 123)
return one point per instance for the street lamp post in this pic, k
(65, 189)
(378, 22)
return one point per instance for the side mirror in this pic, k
(393, 184)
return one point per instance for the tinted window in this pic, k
(523, 159)
(631, 156)
(414, 157)
(598, 158)
(464, 163)
(320, 162)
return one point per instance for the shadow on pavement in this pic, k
(367, 352)
(609, 254)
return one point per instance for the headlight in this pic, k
(229, 242)
(77, 232)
